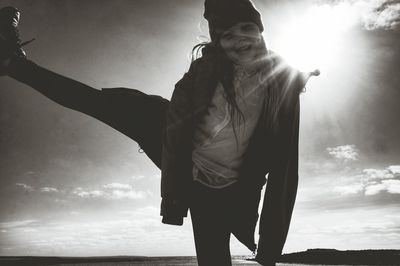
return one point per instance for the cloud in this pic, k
(392, 171)
(391, 186)
(131, 194)
(112, 191)
(136, 231)
(380, 14)
(80, 192)
(122, 191)
(372, 14)
(372, 182)
(378, 173)
(137, 177)
(15, 224)
(117, 186)
(395, 169)
(354, 228)
(147, 211)
(31, 189)
(345, 152)
(48, 189)
(25, 187)
(374, 189)
(350, 189)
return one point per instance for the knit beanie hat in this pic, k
(223, 14)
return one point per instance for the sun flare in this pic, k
(313, 39)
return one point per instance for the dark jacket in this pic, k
(273, 150)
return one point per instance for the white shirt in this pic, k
(215, 152)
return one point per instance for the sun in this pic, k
(314, 38)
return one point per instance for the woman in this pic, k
(232, 119)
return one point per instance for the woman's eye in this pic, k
(250, 29)
(227, 36)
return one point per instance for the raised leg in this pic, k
(137, 115)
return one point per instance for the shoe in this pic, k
(10, 43)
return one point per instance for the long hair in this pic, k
(225, 74)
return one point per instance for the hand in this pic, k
(315, 73)
(305, 76)
(308, 75)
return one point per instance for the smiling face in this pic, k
(241, 42)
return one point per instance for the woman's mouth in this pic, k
(243, 48)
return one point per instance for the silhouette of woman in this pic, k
(232, 119)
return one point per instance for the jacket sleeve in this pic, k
(282, 181)
(176, 151)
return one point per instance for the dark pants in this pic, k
(212, 212)
(138, 115)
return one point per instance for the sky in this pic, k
(72, 186)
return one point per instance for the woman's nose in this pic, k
(243, 40)
(246, 37)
